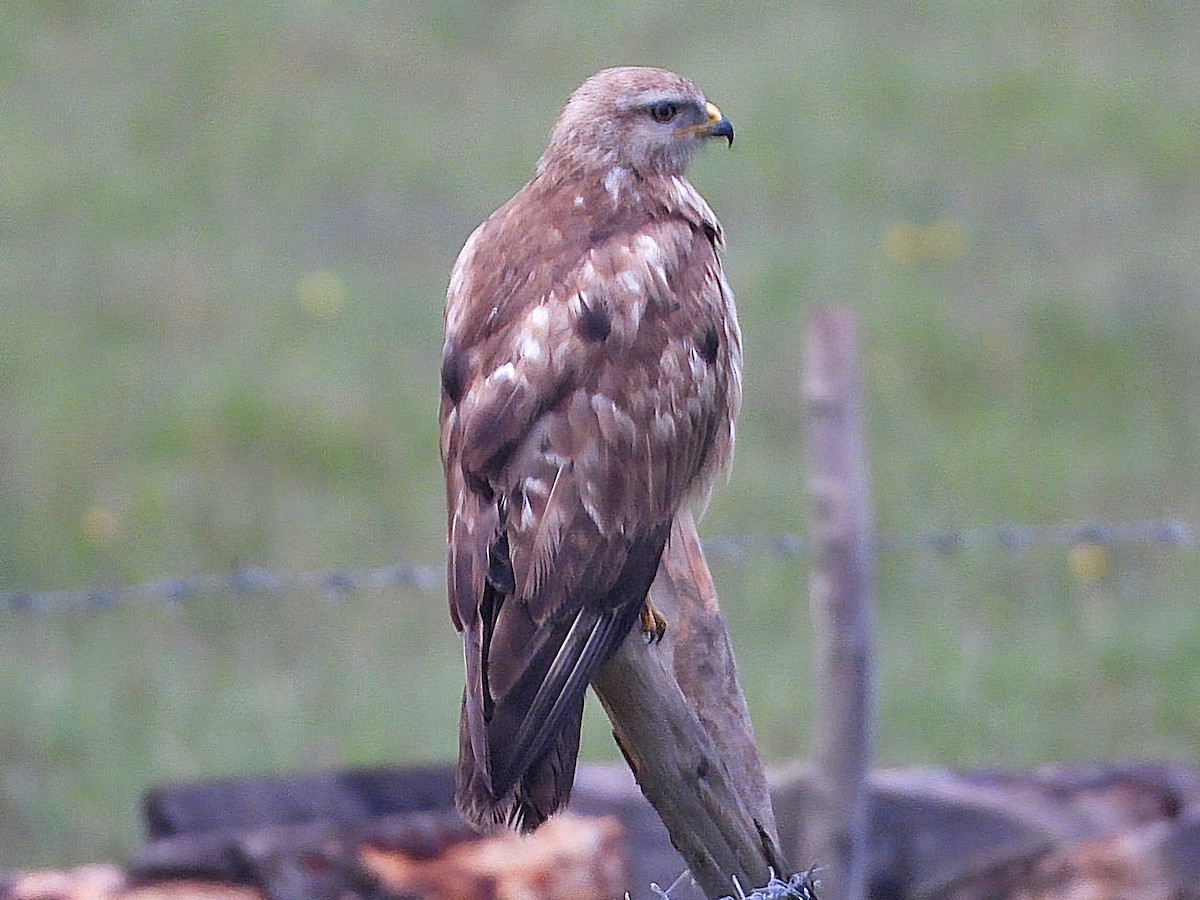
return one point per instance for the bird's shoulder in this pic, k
(558, 237)
(564, 287)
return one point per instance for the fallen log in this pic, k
(1101, 831)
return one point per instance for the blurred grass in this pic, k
(226, 231)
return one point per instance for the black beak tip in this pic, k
(723, 128)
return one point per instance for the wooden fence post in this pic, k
(841, 587)
(680, 717)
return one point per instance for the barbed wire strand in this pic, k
(336, 584)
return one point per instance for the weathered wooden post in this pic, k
(841, 596)
(680, 718)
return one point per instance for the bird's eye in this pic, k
(664, 111)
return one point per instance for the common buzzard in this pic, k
(591, 376)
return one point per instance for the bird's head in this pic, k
(649, 120)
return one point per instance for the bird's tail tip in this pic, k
(538, 794)
(512, 812)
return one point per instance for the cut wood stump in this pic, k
(1105, 832)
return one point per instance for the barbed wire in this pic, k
(334, 584)
(1006, 537)
(337, 584)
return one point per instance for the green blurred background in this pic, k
(226, 229)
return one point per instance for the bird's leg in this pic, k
(654, 626)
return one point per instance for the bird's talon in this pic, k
(654, 626)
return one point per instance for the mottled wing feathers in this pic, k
(545, 693)
(527, 674)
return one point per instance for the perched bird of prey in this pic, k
(591, 376)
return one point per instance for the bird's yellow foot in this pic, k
(654, 626)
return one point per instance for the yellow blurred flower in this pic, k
(99, 524)
(1088, 562)
(909, 244)
(322, 295)
(944, 241)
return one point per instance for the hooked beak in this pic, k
(718, 125)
